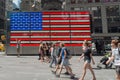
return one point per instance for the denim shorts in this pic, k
(65, 62)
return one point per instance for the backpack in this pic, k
(69, 56)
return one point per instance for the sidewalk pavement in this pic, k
(30, 68)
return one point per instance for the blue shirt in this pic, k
(63, 54)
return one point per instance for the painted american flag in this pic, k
(32, 27)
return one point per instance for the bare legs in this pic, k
(117, 77)
(87, 65)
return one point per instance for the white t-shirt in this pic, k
(116, 55)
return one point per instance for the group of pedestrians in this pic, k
(58, 55)
(44, 55)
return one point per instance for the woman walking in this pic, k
(116, 57)
(87, 60)
(53, 55)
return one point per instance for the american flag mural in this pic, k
(32, 27)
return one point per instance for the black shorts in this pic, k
(118, 70)
(59, 61)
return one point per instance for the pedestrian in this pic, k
(116, 57)
(41, 52)
(53, 55)
(87, 60)
(18, 47)
(65, 62)
(59, 59)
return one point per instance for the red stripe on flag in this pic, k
(66, 18)
(33, 44)
(66, 23)
(66, 28)
(49, 39)
(60, 13)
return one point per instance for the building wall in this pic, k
(2, 9)
(105, 16)
(2, 16)
(27, 5)
(9, 5)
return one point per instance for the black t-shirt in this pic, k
(87, 53)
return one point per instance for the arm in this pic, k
(111, 59)
(65, 54)
(92, 58)
(81, 57)
(39, 48)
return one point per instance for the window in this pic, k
(96, 11)
(80, 1)
(114, 0)
(112, 10)
(27, 2)
(90, 1)
(77, 8)
(73, 1)
(106, 0)
(97, 0)
(113, 18)
(96, 19)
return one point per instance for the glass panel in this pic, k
(97, 0)
(96, 19)
(114, 0)
(106, 0)
(96, 11)
(112, 10)
(73, 1)
(90, 1)
(113, 19)
(80, 1)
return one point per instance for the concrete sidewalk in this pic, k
(30, 68)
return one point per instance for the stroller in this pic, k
(104, 60)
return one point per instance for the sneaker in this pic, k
(72, 77)
(66, 73)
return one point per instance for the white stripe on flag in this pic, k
(60, 26)
(79, 20)
(59, 21)
(64, 16)
(20, 31)
(79, 41)
(80, 30)
(61, 31)
(41, 31)
(40, 36)
(79, 16)
(45, 16)
(80, 36)
(80, 25)
(20, 36)
(21, 42)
